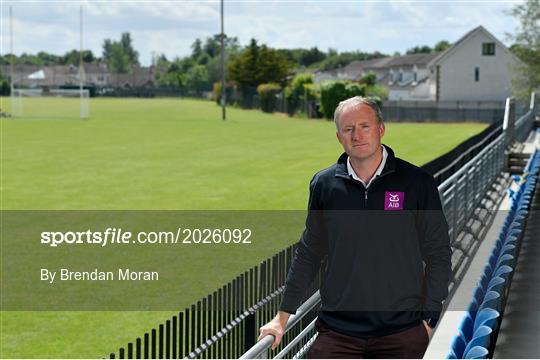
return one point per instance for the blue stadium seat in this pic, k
(458, 345)
(477, 352)
(484, 280)
(479, 294)
(512, 233)
(505, 259)
(467, 325)
(472, 308)
(508, 249)
(481, 337)
(496, 284)
(492, 300)
(493, 259)
(486, 317)
(503, 271)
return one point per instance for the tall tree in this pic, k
(527, 47)
(119, 60)
(419, 50)
(256, 65)
(441, 46)
(120, 56)
(196, 49)
(311, 56)
(212, 45)
(73, 57)
(197, 79)
(128, 48)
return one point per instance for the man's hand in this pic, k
(429, 329)
(275, 327)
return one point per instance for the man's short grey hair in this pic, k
(356, 101)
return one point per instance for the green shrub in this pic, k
(296, 91)
(377, 91)
(267, 94)
(355, 89)
(312, 91)
(5, 89)
(216, 92)
(332, 92)
(369, 79)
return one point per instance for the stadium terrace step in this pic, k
(517, 162)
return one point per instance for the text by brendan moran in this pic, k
(98, 275)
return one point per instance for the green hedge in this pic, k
(295, 92)
(333, 92)
(267, 94)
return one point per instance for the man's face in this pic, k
(359, 132)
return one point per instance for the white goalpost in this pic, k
(60, 103)
(35, 100)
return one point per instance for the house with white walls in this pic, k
(477, 67)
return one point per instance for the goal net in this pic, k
(50, 103)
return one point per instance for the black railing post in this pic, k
(160, 341)
(174, 333)
(153, 343)
(138, 353)
(168, 339)
(250, 332)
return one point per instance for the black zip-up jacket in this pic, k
(376, 242)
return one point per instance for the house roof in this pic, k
(445, 54)
(411, 59)
(358, 66)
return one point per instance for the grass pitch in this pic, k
(165, 154)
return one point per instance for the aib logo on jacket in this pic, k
(393, 200)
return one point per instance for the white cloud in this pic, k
(171, 26)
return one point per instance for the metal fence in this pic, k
(224, 324)
(447, 111)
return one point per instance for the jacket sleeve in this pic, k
(435, 249)
(309, 253)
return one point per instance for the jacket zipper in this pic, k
(365, 197)
(366, 189)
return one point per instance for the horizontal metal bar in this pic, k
(458, 173)
(296, 340)
(465, 153)
(264, 344)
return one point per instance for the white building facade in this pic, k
(478, 67)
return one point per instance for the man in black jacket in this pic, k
(376, 220)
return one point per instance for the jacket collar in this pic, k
(390, 166)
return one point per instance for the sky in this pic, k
(170, 27)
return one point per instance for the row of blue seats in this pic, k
(478, 329)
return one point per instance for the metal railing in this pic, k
(460, 195)
(260, 349)
(462, 192)
(525, 124)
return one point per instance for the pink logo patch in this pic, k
(393, 200)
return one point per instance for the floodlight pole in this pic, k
(81, 70)
(12, 60)
(223, 95)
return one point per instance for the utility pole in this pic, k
(223, 92)
(81, 65)
(12, 59)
